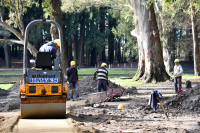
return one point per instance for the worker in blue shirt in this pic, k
(51, 47)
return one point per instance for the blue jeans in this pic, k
(102, 84)
(177, 81)
(73, 89)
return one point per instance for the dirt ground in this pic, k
(137, 116)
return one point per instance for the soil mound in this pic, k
(130, 91)
(186, 101)
(9, 99)
(87, 86)
(3, 92)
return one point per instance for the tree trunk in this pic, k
(7, 55)
(19, 56)
(13, 52)
(119, 52)
(93, 57)
(75, 47)
(56, 16)
(2, 55)
(69, 54)
(187, 51)
(82, 29)
(151, 66)
(102, 29)
(195, 43)
(112, 23)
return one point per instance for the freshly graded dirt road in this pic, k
(183, 111)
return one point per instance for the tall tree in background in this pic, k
(189, 7)
(17, 8)
(52, 9)
(81, 41)
(151, 65)
(6, 45)
(195, 42)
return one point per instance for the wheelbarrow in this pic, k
(114, 94)
(95, 98)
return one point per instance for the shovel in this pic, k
(163, 108)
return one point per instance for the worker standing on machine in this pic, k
(51, 47)
(72, 75)
(102, 77)
(178, 72)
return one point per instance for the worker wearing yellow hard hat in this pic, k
(57, 42)
(102, 78)
(72, 75)
(51, 47)
(177, 76)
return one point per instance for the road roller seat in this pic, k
(43, 60)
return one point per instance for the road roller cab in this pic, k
(43, 91)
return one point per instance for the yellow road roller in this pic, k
(43, 92)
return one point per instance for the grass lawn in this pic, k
(110, 71)
(5, 86)
(131, 82)
(11, 73)
(80, 71)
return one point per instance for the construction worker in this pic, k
(102, 77)
(72, 76)
(51, 47)
(178, 72)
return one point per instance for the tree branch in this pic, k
(11, 40)
(9, 4)
(6, 26)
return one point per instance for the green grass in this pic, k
(186, 76)
(110, 71)
(5, 86)
(130, 82)
(11, 73)
(80, 71)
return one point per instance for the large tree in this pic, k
(151, 65)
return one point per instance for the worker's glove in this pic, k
(94, 78)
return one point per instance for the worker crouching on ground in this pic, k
(72, 75)
(51, 47)
(178, 72)
(102, 74)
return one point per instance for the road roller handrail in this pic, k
(25, 61)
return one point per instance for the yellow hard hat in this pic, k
(57, 41)
(176, 61)
(103, 64)
(120, 106)
(72, 63)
